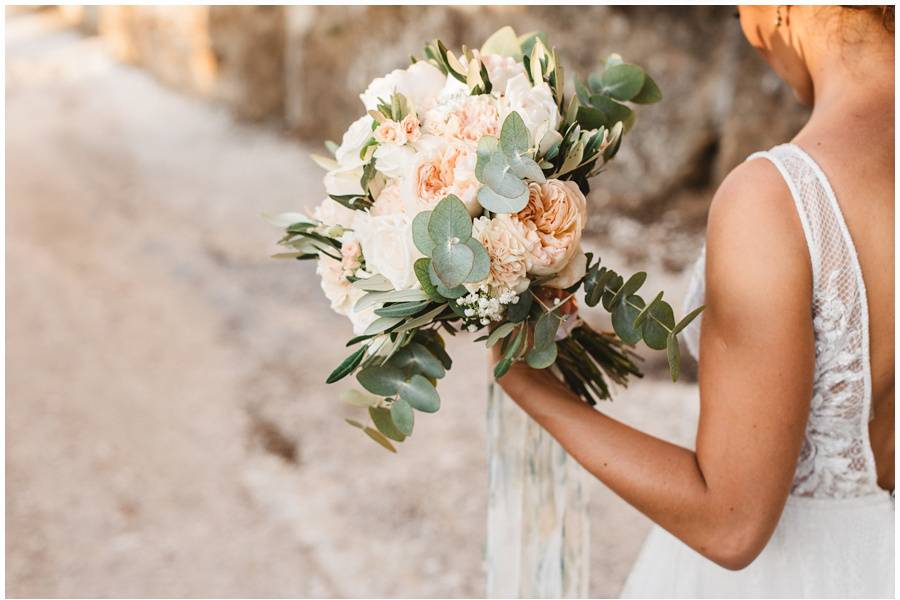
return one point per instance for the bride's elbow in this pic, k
(736, 547)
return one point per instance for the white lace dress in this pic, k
(836, 534)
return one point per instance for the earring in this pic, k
(777, 17)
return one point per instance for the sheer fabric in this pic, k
(835, 537)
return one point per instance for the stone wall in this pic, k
(303, 67)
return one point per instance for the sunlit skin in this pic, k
(725, 499)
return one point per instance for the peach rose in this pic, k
(556, 212)
(410, 126)
(509, 244)
(468, 118)
(442, 169)
(351, 257)
(389, 132)
(388, 201)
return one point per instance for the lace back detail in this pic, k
(836, 458)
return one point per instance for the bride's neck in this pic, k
(851, 74)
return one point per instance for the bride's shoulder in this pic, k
(753, 225)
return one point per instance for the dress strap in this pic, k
(792, 177)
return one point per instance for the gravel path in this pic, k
(168, 429)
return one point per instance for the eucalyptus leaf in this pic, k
(591, 118)
(514, 137)
(450, 293)
(435, 344)
(421, 237)
(633, 284)
(612, 110)
(623, 317)
(420, 268)
(499, 177)
(649, 93)
(452, 262)
(420, 394)
(450, 220)
(687, 320)
(380, 439)
(519, 310)
(656, 335)
(487, 146)
(481, 266)
(383, 422)
(496, 203)
(358, 398)
(622, 81)
(504, 42)
(416, 358)
(645, 312)
(545, 329)
(541, 358)
(381, 380)
(501, 331)
(403, 417)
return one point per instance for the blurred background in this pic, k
(169, 432)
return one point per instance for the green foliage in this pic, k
(385, 423)
(347, 366)
(633, 320)
(402, 416)
(503, 163)
(445, 234)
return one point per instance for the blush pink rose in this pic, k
(556, 212)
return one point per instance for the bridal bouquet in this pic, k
(457, 201)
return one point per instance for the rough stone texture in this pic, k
(234, 54)
(304, 67)
(169, 433)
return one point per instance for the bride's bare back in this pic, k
(852, 138)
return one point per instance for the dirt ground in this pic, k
(168, 429)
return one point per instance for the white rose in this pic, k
(394, 160)
(534, 104)
(344, 181)
(347, 154)
(501, 69)
(388, 248)
(333, 213)
(420, 83)
(343, 296)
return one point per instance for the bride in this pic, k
(787, 493)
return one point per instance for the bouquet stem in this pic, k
(588, 360)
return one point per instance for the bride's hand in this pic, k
(520, 374)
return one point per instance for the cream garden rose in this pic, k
(556, 213)
(441, 168)
(388, 248)
(510, 246)
(534, 103)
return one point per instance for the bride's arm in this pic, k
(725, 499)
